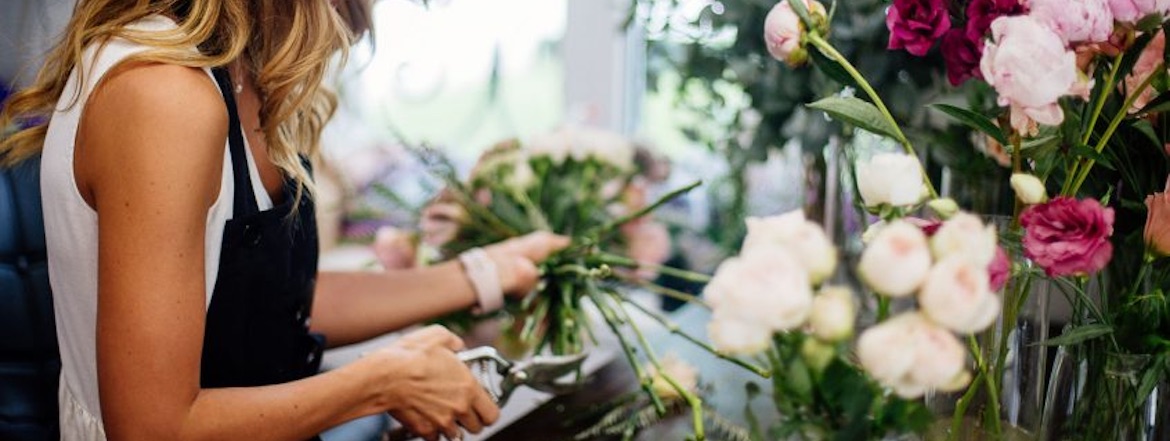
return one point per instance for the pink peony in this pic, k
(1157, 231)
(784, 33)
(1030, 67)
(1146, 65)
(981, 13)
(1076, 21)
(1066, 236)
(961, 53)
(1130, 11)
(915, 24)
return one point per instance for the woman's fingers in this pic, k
(485, 408)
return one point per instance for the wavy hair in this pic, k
(286, 45)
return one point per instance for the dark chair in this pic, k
(29, 360)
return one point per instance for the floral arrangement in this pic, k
(1079, 99)
(583, 184)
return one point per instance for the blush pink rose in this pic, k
(1068, 237)
(916, 24)
(1157, 231)
(1030, 67)
(1147, 64)
(1076, 21)
(1130, 11)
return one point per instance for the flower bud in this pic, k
(833, 314)
(784, 33)
(944, 207)
(816, 355)
(1029, 189)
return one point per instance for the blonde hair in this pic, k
(287, 46)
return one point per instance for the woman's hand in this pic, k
(428, 389)
(516, 259)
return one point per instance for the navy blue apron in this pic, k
(257, 330)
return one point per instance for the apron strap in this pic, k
(244, 197)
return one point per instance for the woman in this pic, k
(182, 244)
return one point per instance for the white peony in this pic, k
(911, 355)
(802, 238)
(890, 178)
(833, 313)
(582, 144)
(897, 260)
(766, 287)
(957, 295)
(965, 235)
(732, 336)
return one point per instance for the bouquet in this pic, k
(1078, 98)
(583, 184)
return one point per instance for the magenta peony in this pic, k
(999, 270)
(915, 24)
(1076, 21)
(1130, 11)
(1030, 67)
(981, 13)
(961, 54)
(1068, 237)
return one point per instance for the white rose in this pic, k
(553, 145)
(911, 355)
(957, 295)
(736, 337)
(802, 238)
(886, 350)
(833, 314)
(939, 360)
(766, 287)
(897, 261)
(965, 235)
(890, 178)
(683, 374)
(1029, 189)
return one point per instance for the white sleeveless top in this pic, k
(72, 237)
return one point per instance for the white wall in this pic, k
(28, 28)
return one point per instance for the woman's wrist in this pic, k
(484, 275)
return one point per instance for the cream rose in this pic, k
(765, 287)
(732, 336)
(802, 238)
(965, 235)
(891, 179)
(957, 295)
(897, 260)
(911, 355)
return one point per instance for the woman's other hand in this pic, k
(516, 259)
(428, 389)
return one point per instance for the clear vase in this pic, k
(1006, 397)
(1100, 395)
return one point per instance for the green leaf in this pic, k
(974, 120)
(859, 113)
(800, 380)
(830, 68)
(1149, 23)
(1089, 153)
(1078, 335)
(1149, 380)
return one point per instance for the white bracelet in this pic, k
(485, 280)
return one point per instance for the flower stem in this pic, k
(608, 227)
(674, 329)
(961, 408)
(831, 52)
(643, 377)
(992, 414)
(1110, 81)
(695, 403)
(672, 293)
(883, 308)
(1121, 114)
(623, 261)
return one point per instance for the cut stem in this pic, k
(674, 329)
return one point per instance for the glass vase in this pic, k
(1005, 399)
(1101, 395)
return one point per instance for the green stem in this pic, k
(672, 293)
(623, 261)
(1113, 125)
(992, 414)
(831, 52)
(692, 400)
(614, 224)
(1110, 81)
(961, 408)
(646, 380)
(674, 329)
(883, 308)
